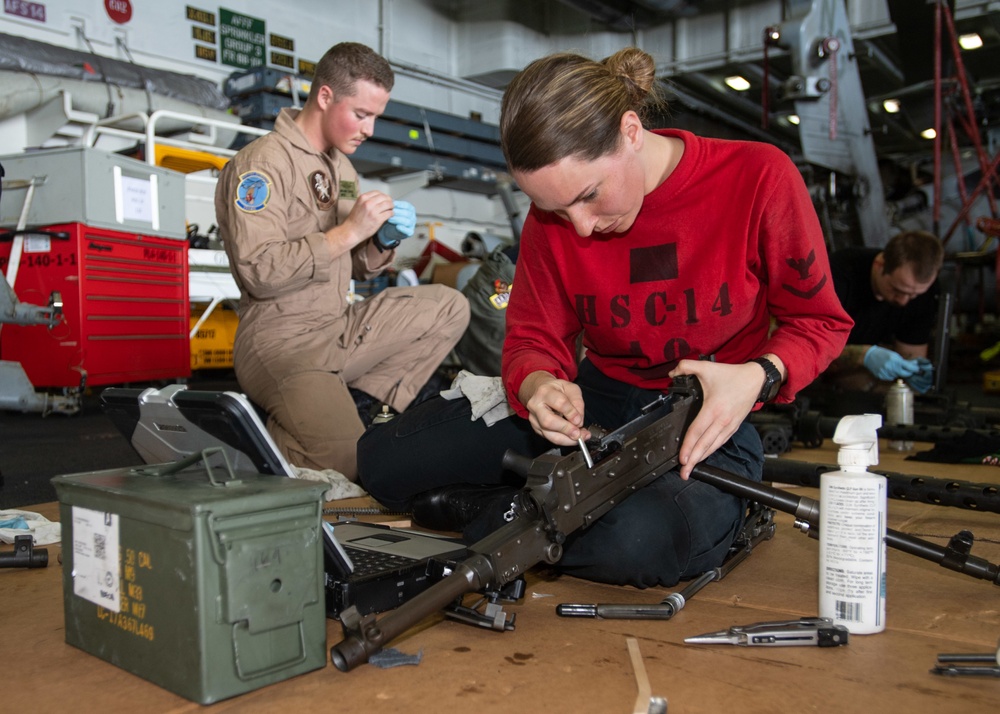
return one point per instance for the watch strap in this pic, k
(772, 380)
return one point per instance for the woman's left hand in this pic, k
(730, 391)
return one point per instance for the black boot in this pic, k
(452, 508)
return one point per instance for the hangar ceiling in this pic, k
(894, 49)
(895, 60)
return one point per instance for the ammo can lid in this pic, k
(157, 494)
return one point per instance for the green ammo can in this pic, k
(205, 582)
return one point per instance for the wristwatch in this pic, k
(772, 380)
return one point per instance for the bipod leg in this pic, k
(757, 526)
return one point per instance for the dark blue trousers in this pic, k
(668, 531)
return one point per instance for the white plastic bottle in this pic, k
(852, 508)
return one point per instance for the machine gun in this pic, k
(781, 424)
(562, 494)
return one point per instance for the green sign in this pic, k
(242, 39)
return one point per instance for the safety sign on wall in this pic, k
(242, 39)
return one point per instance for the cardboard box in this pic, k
(447, 273)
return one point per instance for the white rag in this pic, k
(340, 486)
(485, 394)
(39, 527)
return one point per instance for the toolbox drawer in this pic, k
(125, 307)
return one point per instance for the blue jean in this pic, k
(669, 530)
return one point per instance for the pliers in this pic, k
(818, 631)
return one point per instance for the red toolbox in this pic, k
(125, 305)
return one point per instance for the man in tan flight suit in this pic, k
(296, 231)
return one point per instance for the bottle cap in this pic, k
(858, 439)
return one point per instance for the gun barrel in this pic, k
(932, 433)
(955, 557)
(25, 555)
(950, 558)
(904, 487)
(369, 636)
(806, 509)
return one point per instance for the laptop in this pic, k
(170, 424)
(369, 565)
(378, 568)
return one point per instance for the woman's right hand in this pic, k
(555, 408)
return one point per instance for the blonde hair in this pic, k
(568, 105)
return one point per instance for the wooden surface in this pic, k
(555, 664)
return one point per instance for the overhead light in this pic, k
(928, 133)
(738, 83)
(891, 106)
(972, 41)
(793, 119)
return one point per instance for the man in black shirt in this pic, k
(892, 296)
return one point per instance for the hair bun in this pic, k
(635, 67)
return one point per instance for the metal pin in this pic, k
(586, 453)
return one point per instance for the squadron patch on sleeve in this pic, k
(348, 190)
(322, 190)
(253, 191)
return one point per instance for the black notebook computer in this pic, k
(378, 568)
(371, 566)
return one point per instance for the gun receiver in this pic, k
(562, 494)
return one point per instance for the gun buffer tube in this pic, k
(561, 495)
(956, 556)
(904, 487)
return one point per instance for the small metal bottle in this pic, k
(899, 411)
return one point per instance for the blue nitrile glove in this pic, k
(401, 225)
(923, 380)
(888, 365)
